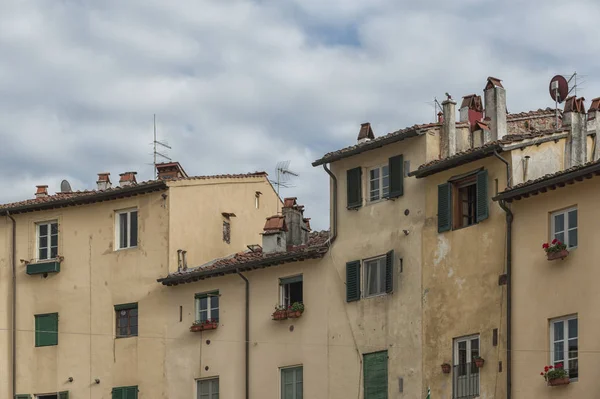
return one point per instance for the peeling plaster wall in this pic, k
(461, 295)
(544, 159)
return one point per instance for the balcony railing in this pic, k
(465, 381)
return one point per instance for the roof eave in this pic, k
(454, 162)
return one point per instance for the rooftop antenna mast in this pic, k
(283, 177)
(159, 144)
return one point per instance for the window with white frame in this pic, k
(564, 344)
(291, 290)
(564, 227)
(375, 276)
(127, 228)
(207, 306)
(208, 389)
(465, 375)
(47, 240)
(379, 183)
(291, 383)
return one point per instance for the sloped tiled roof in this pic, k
(316, 247)
(533, 114)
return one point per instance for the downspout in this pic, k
(14, 304)
(509, 220)
(334, 210)
(247, 333)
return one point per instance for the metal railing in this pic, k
(465, 381)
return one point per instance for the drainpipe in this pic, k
(509, 220)
(14, 304)
(247, 333)
(334, 210)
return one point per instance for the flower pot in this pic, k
(446, 368)
(280, 315)
(557, 255)
(479, 362)
(559, 381)
(294, 314)
(204, 326)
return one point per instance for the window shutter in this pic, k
(23, 396)
(46, 329)
(396, 168)
(482, 195)
(375, 375)
(444, 207)
(354, 187)
(117, 393)
(63, 395)
(131, 393)
(389, 272)
(353, 281)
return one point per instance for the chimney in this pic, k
(103, 181)
(593, 118)
(274, 235)
(365, 133)
(495, 108)
(41, 192)
(574, 117)
(170, 170)
(448, 136)
(127, 179)
(471, 110)
(297, 229)
(440, 116)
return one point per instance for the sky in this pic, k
(238, 86)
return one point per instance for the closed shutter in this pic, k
(131, 393)
(482, 195)
(353, 281)
(118, 393)
(354, 187)
(376, 375)
(389, 272)
(23, 396)
(444, 207)
(63, 395)
(396, 170)
(46, 329)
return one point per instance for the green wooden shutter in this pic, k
(131, 393)
(444, 207)
(389, 272)
(396, 170)
(63, 395)
(354, 187)
(353, 281)
(23, 396)
(375, 375)
(482, 195)
(46, 329)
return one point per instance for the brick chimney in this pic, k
(593, 118)
(41, 192)
(274, 236)
(170, 170)
(575, 118)
(495, 108)
(448, 133)
(103, 181)
(365, 133)
(294, 219)
(471, 110)
(127, 179)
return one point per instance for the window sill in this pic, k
(125, 336)
(376, 295)
(125, 249)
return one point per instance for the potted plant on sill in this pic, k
(446, 368)
(280, 313)
(479, 361)
(208, 324)
(555, 376)
(555, 250)
(295, 310)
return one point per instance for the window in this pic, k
(378, 277)
(127, 320)
(46, 329)
(374, 276)
(375, 372)
(564, 344)
(47, 240)
(463, 201)
(291, 290)
(125, 393)
(257, 199)
(207, 306)
(127, 229)
(291, 383)
(226, 232)
(466, 203)
(60, 395)
(466, 374)
(379, 183)
(208, 389)
(564, 227)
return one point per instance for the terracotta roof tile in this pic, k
(275, 224)
(533, 114)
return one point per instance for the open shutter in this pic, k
(354, 187)
(375, 375)
(353, 281)
(482, 195)
(63, 395)
(389, 272)
(444, 207)
(396, 170)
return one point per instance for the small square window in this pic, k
(564, 227)
(207, 307)
(375, 277)
(291, 290)
(126, 320)
(208, 389)
(127, 229)
(47, 240)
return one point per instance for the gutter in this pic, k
(335, 204)
(247, 339)
(14, 304)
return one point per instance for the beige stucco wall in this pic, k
(461, 295)
(545, 158)
(544, 290)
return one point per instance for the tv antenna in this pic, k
(159, 144)
(437, 108)
(283, 177)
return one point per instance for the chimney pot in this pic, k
(495, 109)
(127, 179)
(170, 170)
(103, 181)
(274, 235)
(41, 192)
(448, 134)
(365, 133)
(440, 117)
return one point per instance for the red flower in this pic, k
(550, 367)
(559, 366)
(541, 373)
(545, 246)
(554, 241)
(546, 369)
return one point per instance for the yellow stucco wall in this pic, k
(544, 290)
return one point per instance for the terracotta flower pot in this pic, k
(280, 315)
(446, 368)
(204, 326)
(479, 363)
(559, 381)
(294, 314)
(557, 255)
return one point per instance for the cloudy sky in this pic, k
(239, 85)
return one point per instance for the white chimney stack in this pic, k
(495, 108)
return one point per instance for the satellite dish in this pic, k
(65, 187)
(559, 88)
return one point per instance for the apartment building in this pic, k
(82, 315)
